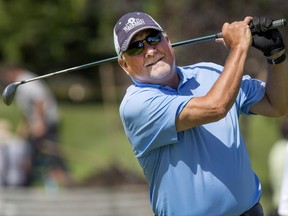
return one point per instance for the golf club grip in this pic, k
(275, 24)
(279, 23)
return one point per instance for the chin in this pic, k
(161, 71)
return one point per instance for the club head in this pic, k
(9, 93)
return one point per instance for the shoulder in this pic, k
(137, 98)
(200, 71)
(209, 66)
(150, 101)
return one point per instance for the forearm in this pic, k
(227, 86)
(221, 97)
(270, 43)
(218, 101)
(276, 87)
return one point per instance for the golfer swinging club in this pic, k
(182, 122)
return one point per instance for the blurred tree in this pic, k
(48, 35)
(37, 32)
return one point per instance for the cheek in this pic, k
(169, 52)
(134, 66)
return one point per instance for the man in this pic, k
(39, 126)
(182, 122)
(283, 202)
(276, 163)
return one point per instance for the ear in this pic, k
(123, 65)
(168, 41)
(167, 38)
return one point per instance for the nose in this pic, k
(149, 49)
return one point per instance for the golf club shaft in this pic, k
(10, 90)
(112, 59)
(71, 69)
(275, 24)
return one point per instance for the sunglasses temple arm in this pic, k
(199, 39)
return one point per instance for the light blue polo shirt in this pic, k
(204, 170)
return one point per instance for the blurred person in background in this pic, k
(283, 202)
(281, 163)
(39, 127)
(276, 161)
(15, 158)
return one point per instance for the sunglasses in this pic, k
(137, 47)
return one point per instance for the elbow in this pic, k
(221, 114)
(280, 109)
(281, 112)
(220, 111)
(284, 109)
(220, 106)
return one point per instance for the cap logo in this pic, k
(132, 23)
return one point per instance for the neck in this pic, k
(173, 81)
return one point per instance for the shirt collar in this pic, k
(183, 77)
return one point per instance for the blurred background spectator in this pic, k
(276, 163)
(283, 202)
(15, 162)
(39, 128)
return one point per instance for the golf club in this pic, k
(10, 90)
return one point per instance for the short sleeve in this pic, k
(252, 91)
(149, 117)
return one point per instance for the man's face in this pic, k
(155, 64)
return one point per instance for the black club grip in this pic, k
(275, 24)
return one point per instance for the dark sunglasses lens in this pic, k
(138, 46)
(135, 48)
(154, 39)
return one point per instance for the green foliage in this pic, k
(68, 32)
(35, 32)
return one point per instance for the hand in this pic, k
(267, 41)
(237, 34)
(38, 129)
(260, 24)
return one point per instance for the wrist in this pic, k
(276, 58)
(276, 55)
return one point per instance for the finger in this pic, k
(221, 40)
(248, 19)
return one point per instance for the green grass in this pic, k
(261, 134)
(92, 138)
